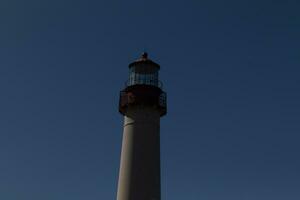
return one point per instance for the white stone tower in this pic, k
(142, 103)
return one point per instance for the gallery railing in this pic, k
(144, 82)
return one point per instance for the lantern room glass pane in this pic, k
(145, 79)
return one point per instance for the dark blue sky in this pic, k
(231, 70)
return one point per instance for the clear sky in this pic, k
(231, 70)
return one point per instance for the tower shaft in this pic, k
(139, 176)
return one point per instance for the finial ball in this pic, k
(145, 55)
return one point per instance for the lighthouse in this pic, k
(142, 103)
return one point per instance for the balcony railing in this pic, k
(157, 83)
(163, 99)
(159, 101)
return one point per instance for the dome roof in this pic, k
(144, 60)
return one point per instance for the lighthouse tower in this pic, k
(142, 102)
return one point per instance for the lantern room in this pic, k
(144, 72)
